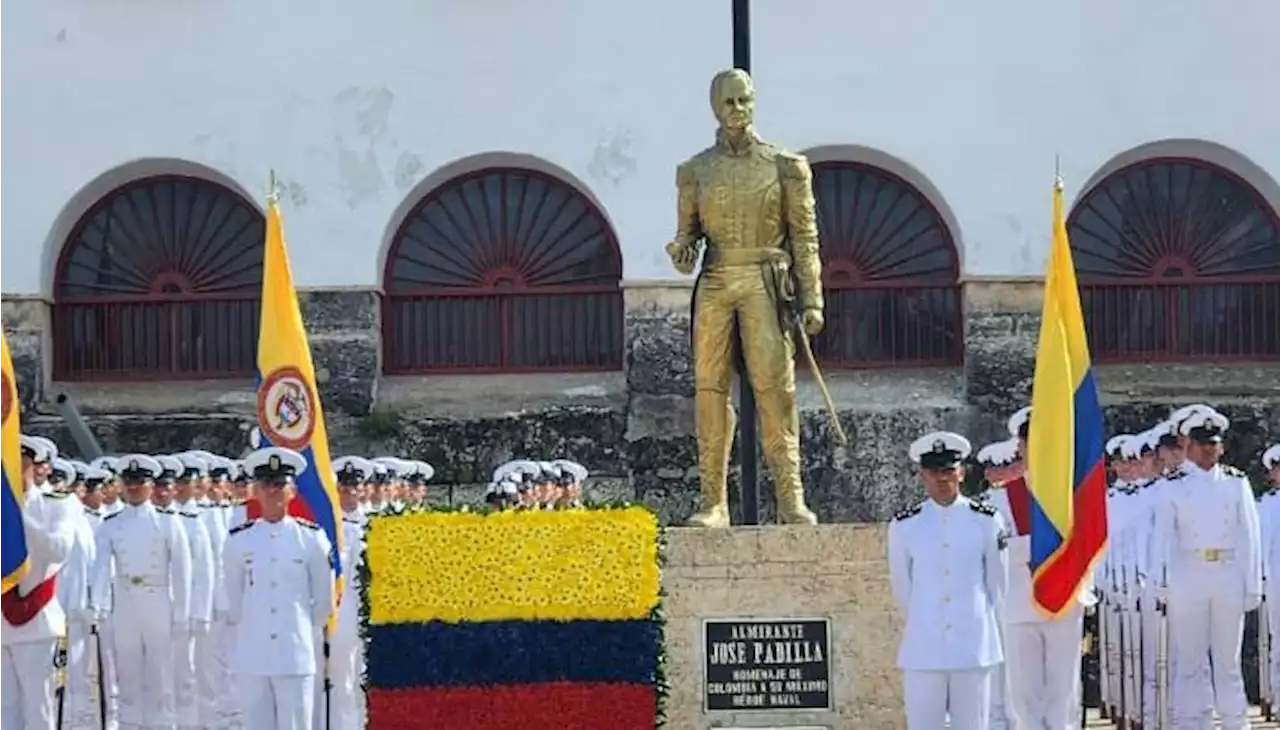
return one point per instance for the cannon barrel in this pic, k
(85, 441)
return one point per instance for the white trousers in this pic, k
(278, 703)
(230, 703)
(1044, 672)
(28, 678)
(208, 678)
(110, 687)
(964, 695)
(320, 702)
(186, 700)
(80, 703)
(1206, 614)
(143, 639)
(346, 667)
(1273, 618)
(1000, 716)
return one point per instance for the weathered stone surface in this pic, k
(347, 368)
(27, 351)
(466, 451)
(1000, 359)
(658, 356)
(162, 434)
(340, 311)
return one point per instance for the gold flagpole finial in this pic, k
(273, 188)
(1057, 173)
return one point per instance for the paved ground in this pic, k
(1258, 724)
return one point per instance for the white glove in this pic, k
(199, 627)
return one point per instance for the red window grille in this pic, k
(503, 270)
(160, 279)
(890, 272)
(1178, 260)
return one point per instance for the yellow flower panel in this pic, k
(565, 565)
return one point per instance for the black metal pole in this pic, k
(748, 441)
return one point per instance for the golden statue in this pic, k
(747, 208)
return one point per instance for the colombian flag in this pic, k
(14, 536)
(1065, 471)
(289, 411)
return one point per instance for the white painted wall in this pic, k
(978, 97)
(354, 104)
(361, 107)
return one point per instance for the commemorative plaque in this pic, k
(766, 664)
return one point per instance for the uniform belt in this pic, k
(142, 581)
(718, 255)
(1213, 555)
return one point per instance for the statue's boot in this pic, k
(715, 423)
(780, 441)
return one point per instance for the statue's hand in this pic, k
(812, 321)
(684, 258)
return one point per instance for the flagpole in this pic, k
(1057, 172)
(273, 189)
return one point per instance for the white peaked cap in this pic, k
(285, 457)
(171, 463)
(1116, 445)
(97, 473)
(1185, 412)
(991, 453)
(426, 470)
(1271, 457)
(939, 442)
(518, 466)
(64, 467)
(1018, 419)
(1204, 419)
(397, 468)
(578, 471)
(355, 463)
(138, 463)
(192, 460)
(39, 447)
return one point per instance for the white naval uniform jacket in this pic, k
(1210, 516)
(947, 569)
(353, 548)
(279, 595)
(76, 575)
(204, 570)
(143, 550)
(212, 517)
(50, 524)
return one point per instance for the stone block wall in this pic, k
(638, 425)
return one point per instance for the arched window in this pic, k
(890, 272)
(160, 279)
(503, 270)
(1178, 260)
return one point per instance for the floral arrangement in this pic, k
(531, 619)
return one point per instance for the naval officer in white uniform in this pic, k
(947, 569)
(1043, 654)
(1207, 525)
(279, 596)
(33, 618)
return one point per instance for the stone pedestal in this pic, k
(787, 574)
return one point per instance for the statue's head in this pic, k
(733, 99)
